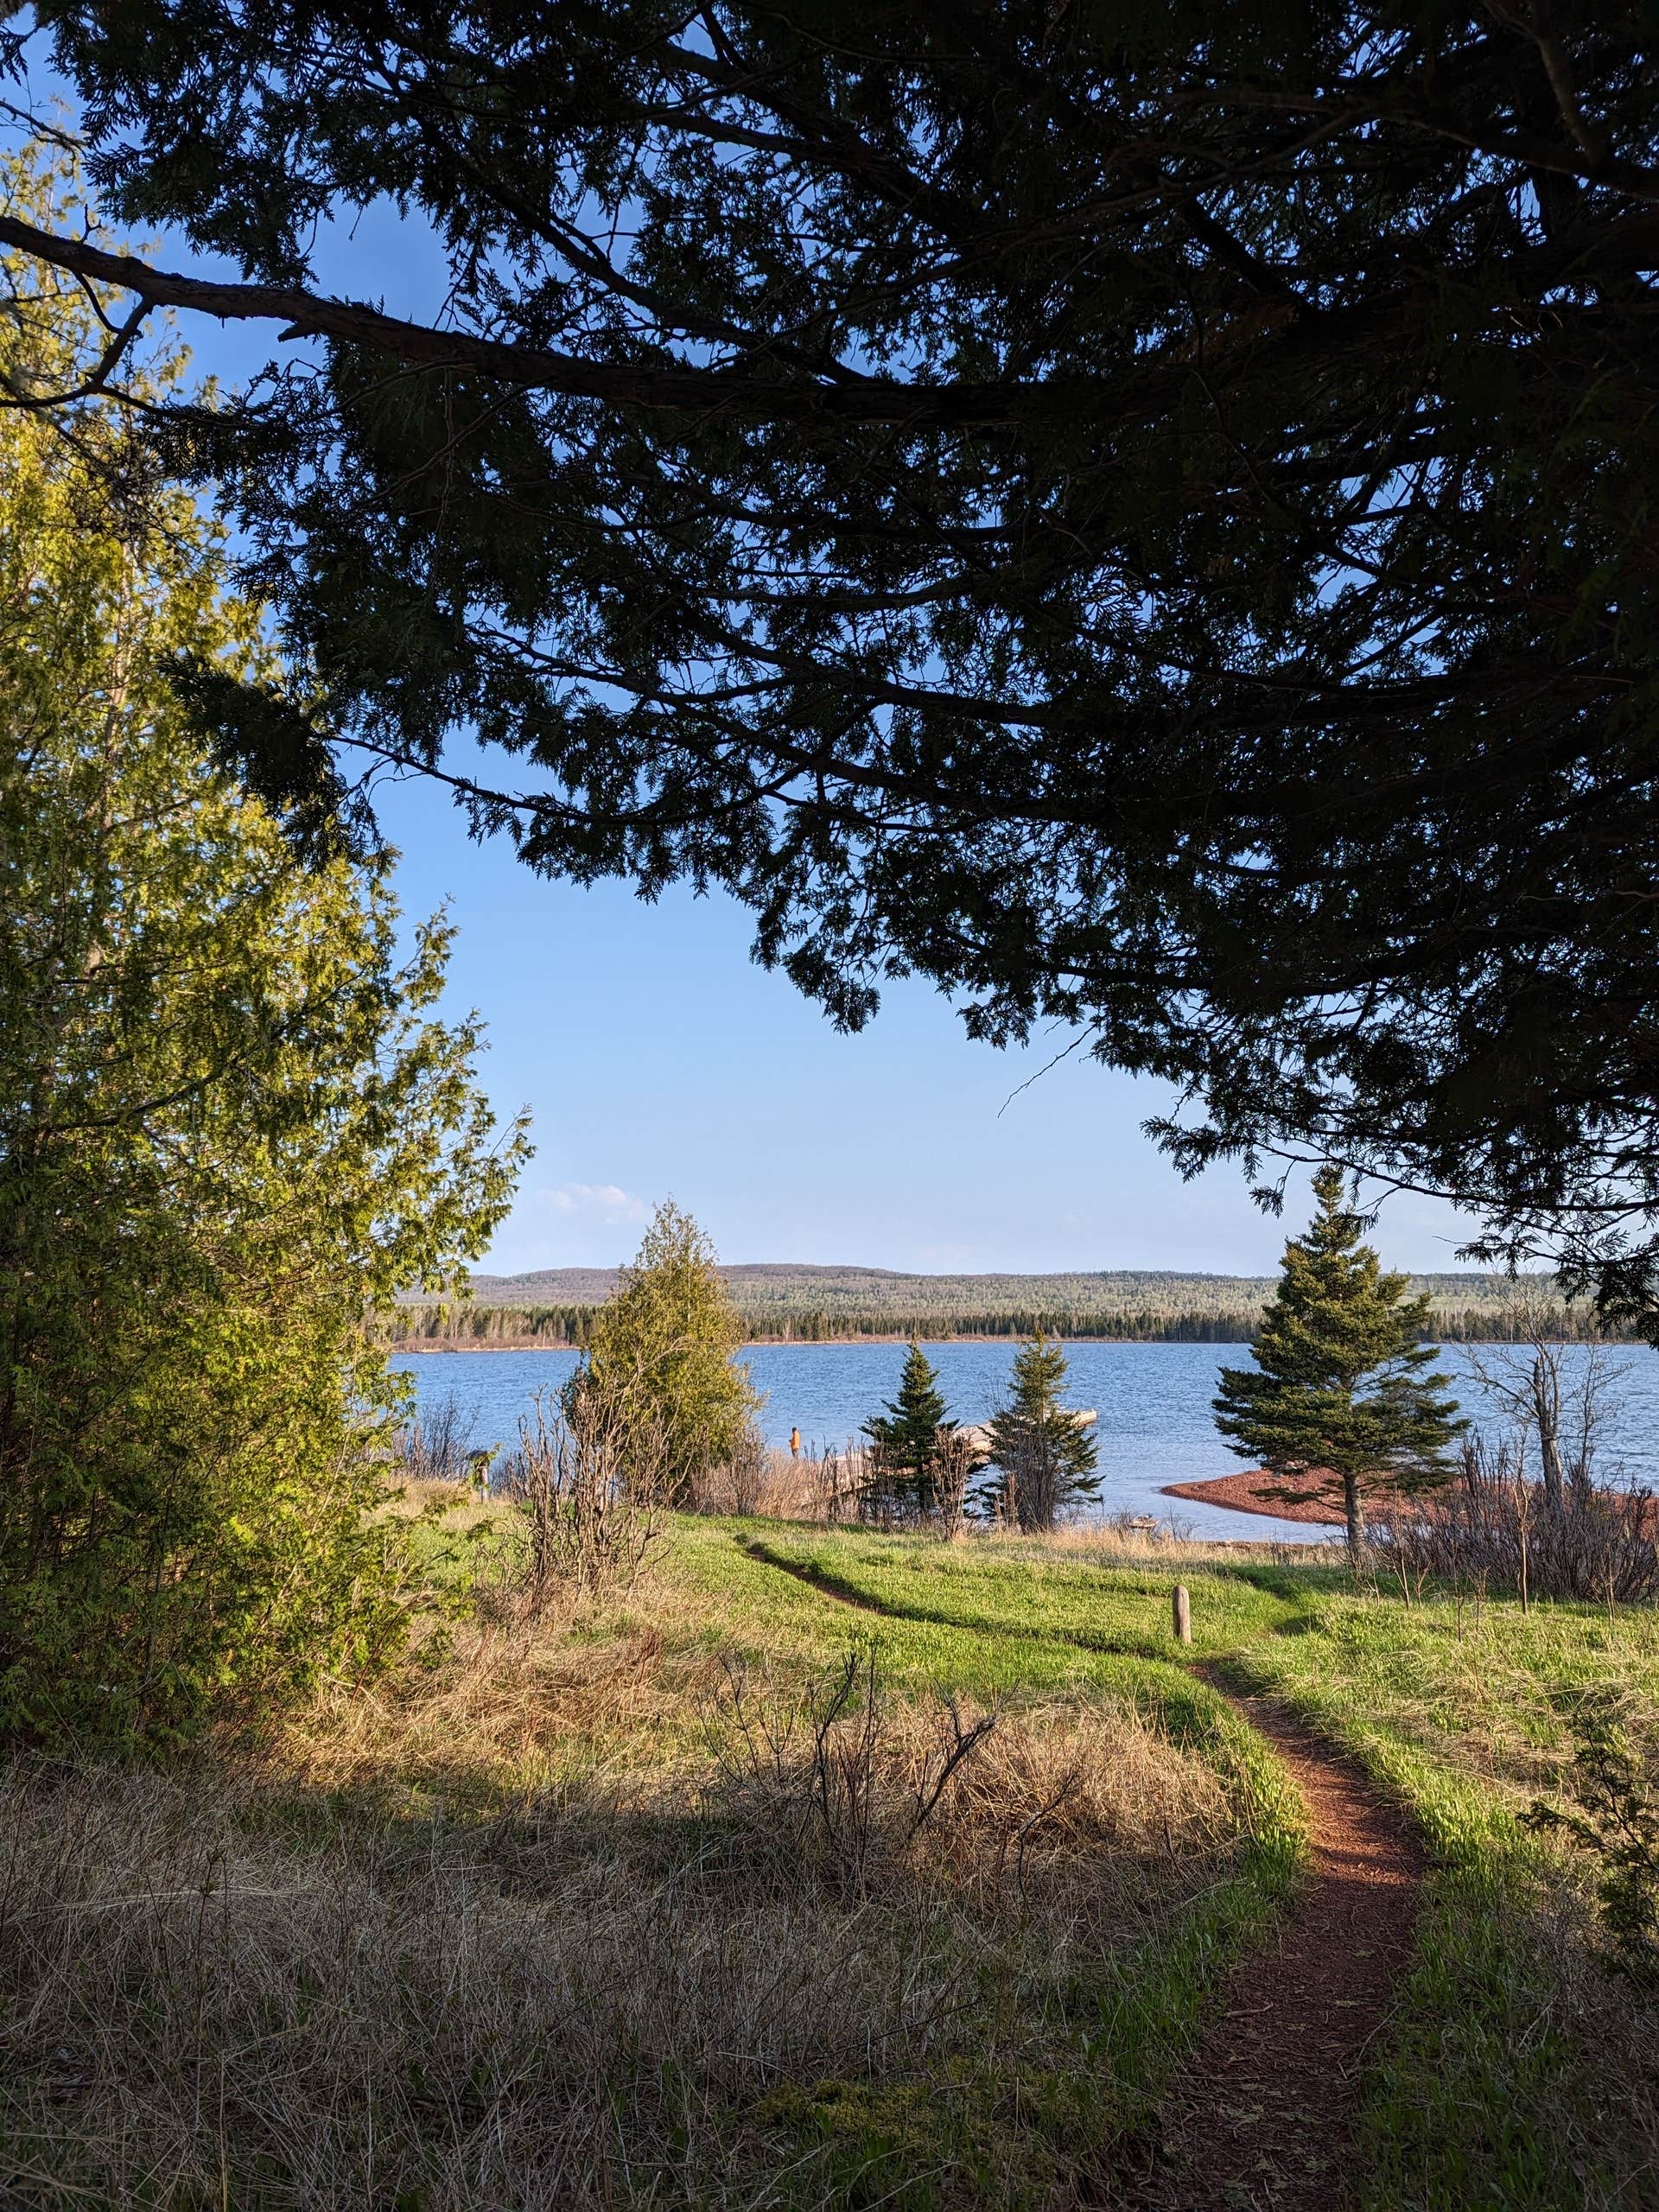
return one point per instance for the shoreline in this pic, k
(1237, 1494)
(1234, 1494)
(424, 1344)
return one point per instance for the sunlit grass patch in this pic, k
(1018, 1588)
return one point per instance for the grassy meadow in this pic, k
(712, 1895)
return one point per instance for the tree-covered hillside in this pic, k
(781, 1301)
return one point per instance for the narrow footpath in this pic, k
(1260, 2119)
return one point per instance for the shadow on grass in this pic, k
(1125, 1643)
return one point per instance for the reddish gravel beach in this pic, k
(1239, 1491)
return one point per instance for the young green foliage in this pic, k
(1340, 1396)
(1045, 1460)
(228, 1136)
(662, 1358)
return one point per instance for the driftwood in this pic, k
(978, 1434)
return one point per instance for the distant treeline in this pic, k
(1232, 1322)
(493, 1325)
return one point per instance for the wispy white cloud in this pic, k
(601, 1203)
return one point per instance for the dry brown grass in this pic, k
(774, 1485)
(1085, 1825)
(1107, 1543)
(506, 1934)
(410, 1496)
(823, 1493)
(582, 1705)
(1079, 1824)
(206, 2003)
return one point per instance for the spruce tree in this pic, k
(907, 1436)
(1045, 1458)
(1340, 1397)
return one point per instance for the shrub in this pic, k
(1615, 1784)
(435, 1444)
(586, 1483)
(822, 1773)
(1495, 1528)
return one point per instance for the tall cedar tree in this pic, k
(230, 1134)
(1340, 1396)
(908, 1435)
(663, 1354)
(1143, 514)
(1045, 1460)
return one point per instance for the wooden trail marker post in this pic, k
(1181, 1609)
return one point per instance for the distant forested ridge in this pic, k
(782, 1303)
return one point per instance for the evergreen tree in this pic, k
(1045, 1458)
(1339, 1396)
(230, 1134)
(907, 1437)
(662, 1354)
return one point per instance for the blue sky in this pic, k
(656, 1059)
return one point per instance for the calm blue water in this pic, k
(1153, 1400)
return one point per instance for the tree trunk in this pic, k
(1356, 1514)
(1545, 1406)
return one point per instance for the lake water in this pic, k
(1153, 1400)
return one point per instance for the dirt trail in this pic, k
(1261, 2117)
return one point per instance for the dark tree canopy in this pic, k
(1143, 514)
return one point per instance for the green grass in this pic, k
(1023, 1593)
(1520, 2073)
(505, 1930)
(1523, 2073)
